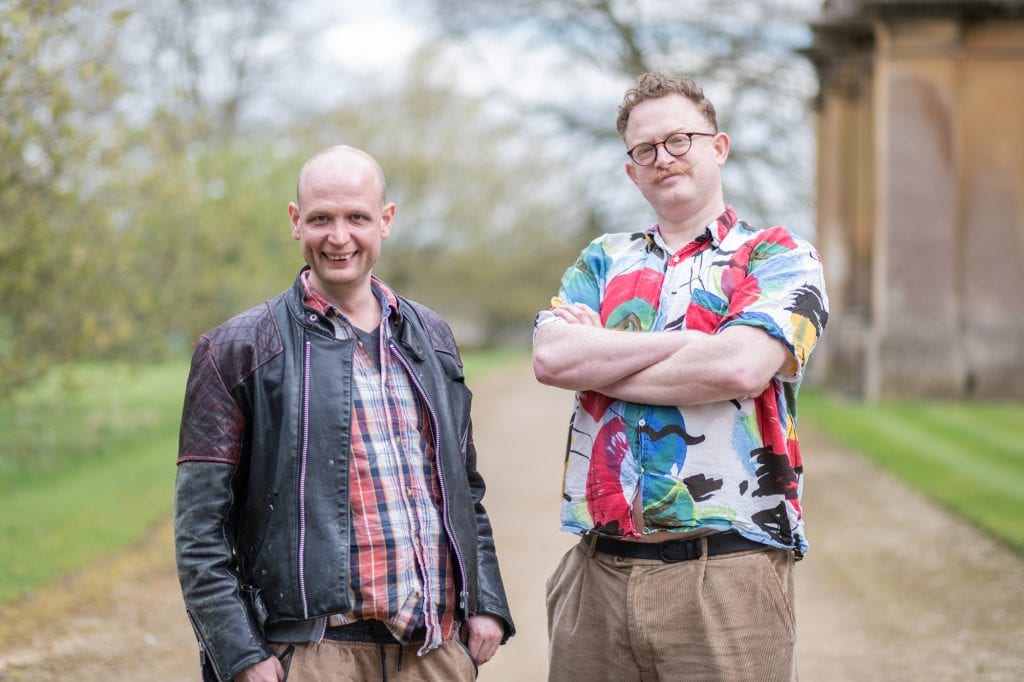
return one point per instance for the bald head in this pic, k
(341, 157)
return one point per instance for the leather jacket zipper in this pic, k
(303, 457)
(434, 423)
(204, 649)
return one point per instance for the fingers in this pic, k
(578, 313)
(483, 634)
(267, 670)
(483, 647)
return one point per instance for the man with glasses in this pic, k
(685, 343)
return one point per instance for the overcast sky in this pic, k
(372, 37)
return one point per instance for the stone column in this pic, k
(916, 347)
(992, 214)
(845, 208)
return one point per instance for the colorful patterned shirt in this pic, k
(725, 465)
(401, 568)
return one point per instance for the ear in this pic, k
(722, 145)
(294, 215)
(631, 172)
(387, 219)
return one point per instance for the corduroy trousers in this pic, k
(725, 618)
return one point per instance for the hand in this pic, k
(578, 313)
(482, 634)
(267, 670)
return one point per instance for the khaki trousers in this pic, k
(726, 618)
(331, 661)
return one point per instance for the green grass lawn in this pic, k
(968, 456)
(87, 464)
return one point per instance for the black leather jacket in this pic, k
(263, 473)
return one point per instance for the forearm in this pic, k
(582, 357)
(662, 384)
(735, 364)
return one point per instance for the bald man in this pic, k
(328, 516)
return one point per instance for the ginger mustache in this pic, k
(668, 172)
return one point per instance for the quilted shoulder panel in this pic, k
(212, 423)
(245, 343)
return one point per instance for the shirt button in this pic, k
(641, 422)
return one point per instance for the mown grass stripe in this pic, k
(926, 446)
(987, 431)
(945, 463)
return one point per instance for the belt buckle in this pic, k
(675, 551)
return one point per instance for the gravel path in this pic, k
(893, 588)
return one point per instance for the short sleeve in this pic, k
(777, 284)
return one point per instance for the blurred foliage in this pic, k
(487, 217)
(115, 240)
(208, 225)
(58, 248)
(144, 199)
(147, 156)
(743, 53)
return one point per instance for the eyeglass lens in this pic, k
(676, 145)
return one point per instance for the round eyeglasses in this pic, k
(675, 144)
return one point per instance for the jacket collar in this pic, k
(394, 310)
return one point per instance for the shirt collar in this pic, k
(316, 301)
(722, 225)
(715, 231)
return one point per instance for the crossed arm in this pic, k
(657, 368)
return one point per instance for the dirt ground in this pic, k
(894, 588)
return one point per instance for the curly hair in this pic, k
(652, 85)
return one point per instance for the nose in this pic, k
(661, 155)
(337, 232)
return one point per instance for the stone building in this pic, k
(921, 196)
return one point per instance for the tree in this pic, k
(486, 223)
(742, 51)
(200, 190)
(56, 87)
(121, 121)
(197, 70)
